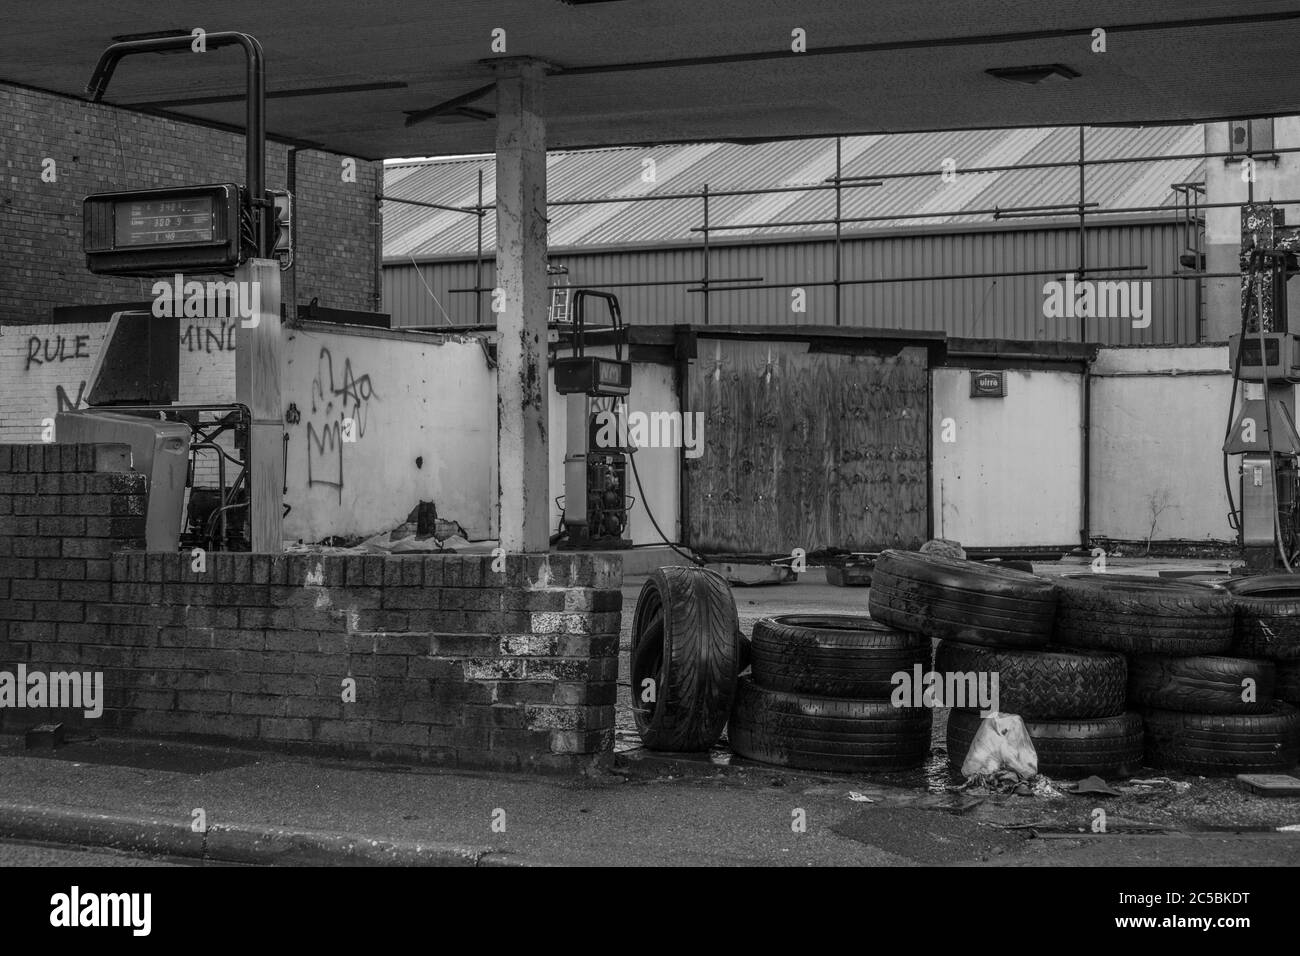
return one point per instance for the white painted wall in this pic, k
(428, 396)
(1157, 435)
(1012, 476)
(436, 400)
(43, 369)
(411, 396)
(38, 365)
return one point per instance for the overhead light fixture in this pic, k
(1033, 75)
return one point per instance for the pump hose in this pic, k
(1235, 517)
(651, 515)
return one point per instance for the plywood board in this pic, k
(807, 450)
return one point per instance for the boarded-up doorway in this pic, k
(807, 450)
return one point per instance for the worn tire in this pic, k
(686, 637)
(1287, 684)
(1202, 685)
(961, 600)
(1268, 616)
(1143, 615)
(833, 655)
(746, 655)
(1051, 683)
(1013, 564)
(827, 733)
(1216, 744)
(1106, 746)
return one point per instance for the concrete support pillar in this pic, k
(520, 304)
(1222, 238)
(259, 347)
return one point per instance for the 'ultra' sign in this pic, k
(988, 384)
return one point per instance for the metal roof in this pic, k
(420, 232)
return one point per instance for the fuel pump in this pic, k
(1265, 359)
(234, 229)
(596, 501)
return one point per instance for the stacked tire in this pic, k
(958, 600)
(687, 651)
(1210, 675)
(992, 620)
(818, 696)
(1205, 696)
(1268, 627)
(1072, 702)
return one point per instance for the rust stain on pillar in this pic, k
(522, 449)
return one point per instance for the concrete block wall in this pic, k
(505, 663)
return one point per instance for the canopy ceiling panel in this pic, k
(346, 75)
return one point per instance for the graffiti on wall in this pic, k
(198, 338)
(53, 349)
(45, 377)
(67, 404)
(339, 408)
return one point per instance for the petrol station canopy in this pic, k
(414, 77)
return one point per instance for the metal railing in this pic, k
(1187, 210)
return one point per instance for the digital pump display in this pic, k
(162, 222)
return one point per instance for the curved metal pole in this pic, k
(255, 101)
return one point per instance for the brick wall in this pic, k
(332, 215)
(64, 511)
(99, 148)
(456, 659)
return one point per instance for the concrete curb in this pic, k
(235, 843)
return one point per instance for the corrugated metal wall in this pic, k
(1005, 307)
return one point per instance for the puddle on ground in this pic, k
(932, 777)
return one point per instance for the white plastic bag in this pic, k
(1001, 743)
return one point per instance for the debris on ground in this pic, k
(1001, 744)
(1094, 785)
(1009, 783)
(423, 532)
(1001, 781)
(944, 548)
(1270, 784)
(1157, 783)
